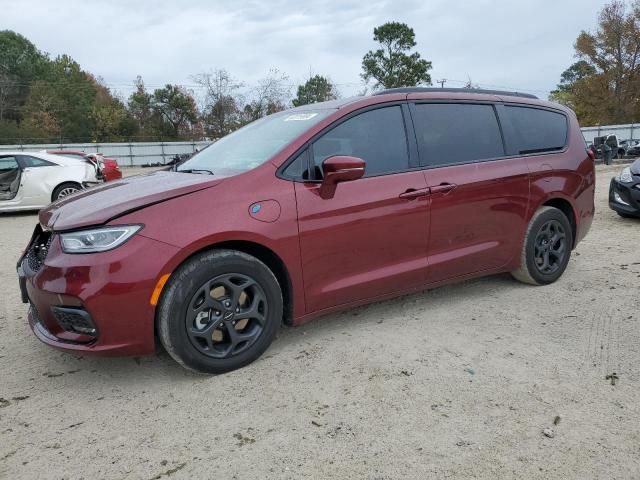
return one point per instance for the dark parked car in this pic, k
(624, 191)
(309, 211)
(634, 150)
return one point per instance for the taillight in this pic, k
(591, 154)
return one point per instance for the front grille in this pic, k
(38, 249)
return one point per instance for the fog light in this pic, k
(619, 199)
(76, 320)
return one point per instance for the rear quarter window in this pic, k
(535, 130)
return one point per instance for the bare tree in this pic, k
(221, 111)
(272, 94)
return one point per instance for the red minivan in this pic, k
(308, 211)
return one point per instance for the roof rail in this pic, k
(453, 90)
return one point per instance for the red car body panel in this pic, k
(367, 219)
(117, 198)
(364, 244)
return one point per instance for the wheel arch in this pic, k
(566, 207)
(267, 256)
(64, 182)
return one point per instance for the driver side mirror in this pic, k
(337, 169)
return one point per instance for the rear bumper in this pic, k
(625, 197)
(112, 288)
(112, 175)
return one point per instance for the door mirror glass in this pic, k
(337, 169)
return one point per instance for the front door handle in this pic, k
(413, 193)
(443, 188)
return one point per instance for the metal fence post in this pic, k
(164, 160)
(130, 155)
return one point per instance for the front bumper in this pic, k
(625, 197)
(111, 290)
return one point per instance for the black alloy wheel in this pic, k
(546, 248)
(550, 247)
(226, 315)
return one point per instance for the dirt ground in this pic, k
(457, 382)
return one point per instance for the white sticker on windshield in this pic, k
(300, 117)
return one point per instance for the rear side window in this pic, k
(30, 162)
(376, 136)
(450, 133)
(536, 130)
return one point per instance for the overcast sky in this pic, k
(515, 44)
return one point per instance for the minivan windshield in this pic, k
(253, 144)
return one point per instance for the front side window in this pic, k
(377, 136)
(253, 144)
(536, 130)
(8, 163)
(451, 133)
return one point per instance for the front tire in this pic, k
(219, 311)
(546, 248)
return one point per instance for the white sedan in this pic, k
(32, 180)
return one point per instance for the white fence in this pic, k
(630, 131)
(127, 154)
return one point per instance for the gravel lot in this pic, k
(457, 382)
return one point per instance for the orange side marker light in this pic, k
(155, 296)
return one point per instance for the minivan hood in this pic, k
(100, 204)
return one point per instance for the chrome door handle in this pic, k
(443, 188)
(413, 193)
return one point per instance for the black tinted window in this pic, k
(30, 162)
(536, 130)
(297, 169)
(377, 136)
(450, 133)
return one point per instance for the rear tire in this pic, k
(219, 311)
(546, 248)
(65, 189)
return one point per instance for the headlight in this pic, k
(97, 240)
(625, 176)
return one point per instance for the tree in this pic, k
(603, 85)
(67, 94)
(269, 96)
(221, 112)
(140, 107)
(20, 63)
(391, 65)
(569, 79)
(316, 89)
(177, 108)
(471, 85)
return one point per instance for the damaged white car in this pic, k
(30, 180)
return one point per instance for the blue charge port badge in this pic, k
(265, 210)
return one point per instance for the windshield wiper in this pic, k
(196, 170)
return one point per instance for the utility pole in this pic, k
(441, 82)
